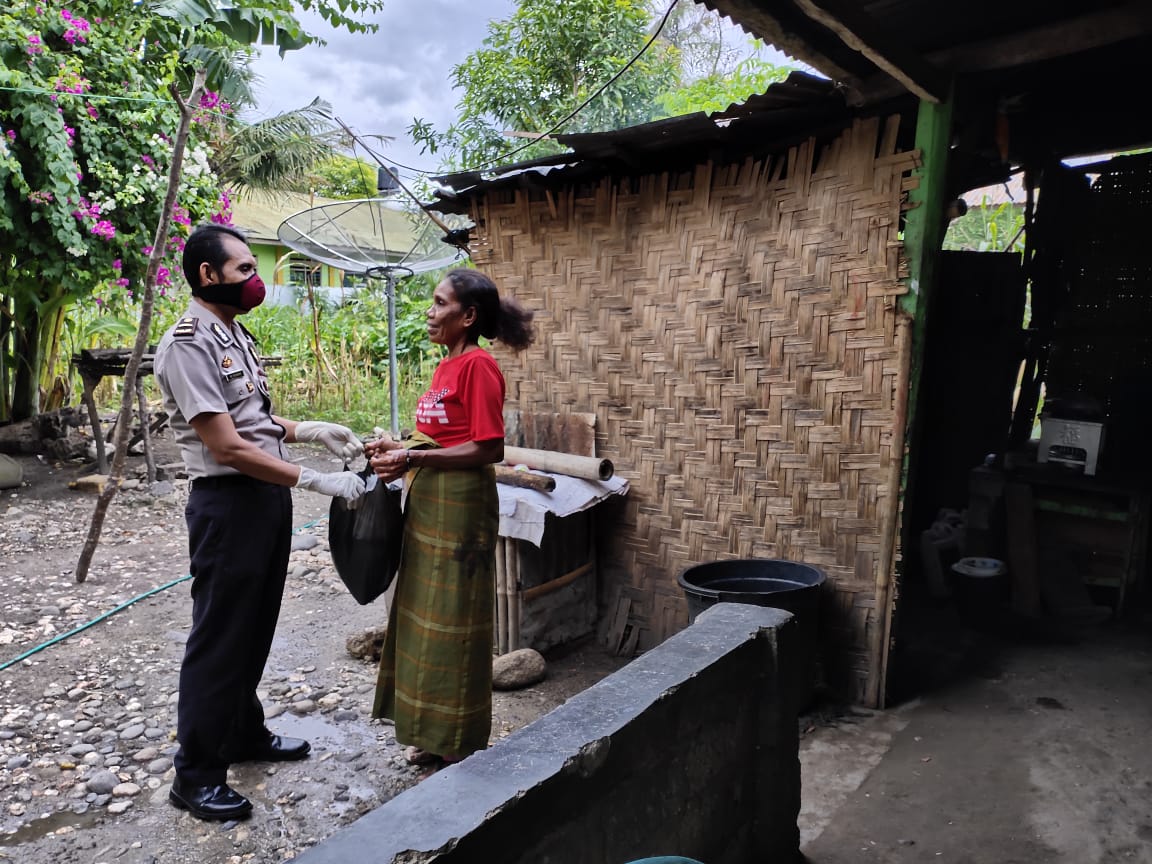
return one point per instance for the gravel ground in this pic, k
(87, 723)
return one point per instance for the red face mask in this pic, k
(245, 295)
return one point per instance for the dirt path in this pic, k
(87, 724)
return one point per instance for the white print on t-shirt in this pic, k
(430, 407)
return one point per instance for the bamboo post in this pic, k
(501, 597)
(882, 632)
(159, 245)
(512, 571)
(584, 467)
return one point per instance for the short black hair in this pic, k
(205, 245)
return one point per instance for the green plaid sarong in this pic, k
(435, 678)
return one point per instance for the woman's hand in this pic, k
(390, 464)
(382, 444)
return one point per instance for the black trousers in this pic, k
(239, 538)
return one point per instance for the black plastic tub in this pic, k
(788, 585)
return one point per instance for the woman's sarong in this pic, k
(435, 678)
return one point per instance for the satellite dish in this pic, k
(377, 238)
(367, 235)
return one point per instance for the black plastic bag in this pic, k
(366, 539)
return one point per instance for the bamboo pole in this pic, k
(585, 467)
(512, 571)
(882, 632)
(501, 597)
(511, 477)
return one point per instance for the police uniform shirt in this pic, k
(204, 366)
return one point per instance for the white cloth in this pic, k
(522, 511)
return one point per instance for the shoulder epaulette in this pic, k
(185, 328)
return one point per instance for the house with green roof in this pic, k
(340, 231)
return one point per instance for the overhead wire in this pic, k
(503, 158)
(380, 158)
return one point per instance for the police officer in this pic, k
(239, 518)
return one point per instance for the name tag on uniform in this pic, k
(232, 376)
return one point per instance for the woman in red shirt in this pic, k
(435, 679)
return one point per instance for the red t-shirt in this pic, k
(465, 402)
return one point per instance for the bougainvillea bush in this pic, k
(85, 118)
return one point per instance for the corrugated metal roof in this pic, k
(787, 111)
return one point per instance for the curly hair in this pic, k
(496, 317)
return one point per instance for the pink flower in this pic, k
(77, 29)
(10, 134)
(41, 197)
(180, 215)
(35, 45)
(148, 160)
(147, 250)
(92, 112)
(163, 276)
(122, 282)
(117, 264)
(99, 301)
(104, 229)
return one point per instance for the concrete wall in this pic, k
(691, 750)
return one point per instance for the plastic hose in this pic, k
(60, 638)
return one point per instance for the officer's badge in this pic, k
(248, 384)
(226, 362)
(222, 335)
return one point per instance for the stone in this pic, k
(301, 542)
(133, 731)
(102, 783)
(159, 766)
(11, 472)
(367, 644)
(518, 669)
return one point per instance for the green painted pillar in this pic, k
(924, 230)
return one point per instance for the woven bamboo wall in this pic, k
(734, 329)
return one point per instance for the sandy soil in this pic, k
(87, 723)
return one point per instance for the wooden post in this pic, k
(89, 400)
(145, 432)
(923, 237)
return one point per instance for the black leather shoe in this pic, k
(210, 802)
(276, 748)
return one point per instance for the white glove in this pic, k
(345, 484)
(340, 440)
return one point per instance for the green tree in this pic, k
(85, 111)
(342, 177)
(539, 65)
(721, 89)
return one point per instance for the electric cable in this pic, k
(62, 636)
(503, 158)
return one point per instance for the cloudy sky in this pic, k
(379, 82)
